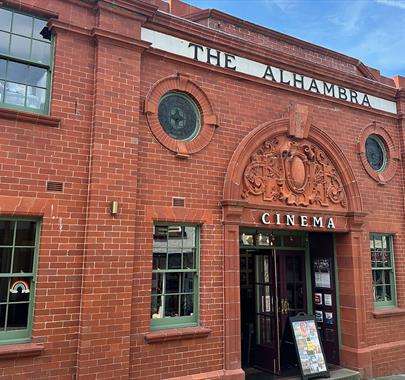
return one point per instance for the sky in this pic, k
(372, 31)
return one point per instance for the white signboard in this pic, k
(229, 61)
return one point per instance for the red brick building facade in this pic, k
(176, 182)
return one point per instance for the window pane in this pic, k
(5, 19)
(388, 293)
(6, 232)
(4, 42)
(171, 306)
(377, 242)
(2, 316)
(20, 47)
(159, 260)
(25, 235)
(38, 26)
(35, 98)
(15, 94)
(37, 76)
(4, 288)
(19, 289)
(41, 52)
(17, 72)
(373, 259)
(22, 24)
(174, 260)
(156, 307)
(187, 307)
(175, 237)
(160, 234)
(189, 259)
(157, 283)
(23, 260)
(387, 277)
(5, 260)
(188, 282)
(3, 68)
(377, 277)
(172, 283)
(379, 258)
(378, 293)
(1, 90)
(189, 237)
(17, 316)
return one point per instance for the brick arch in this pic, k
(253, 141)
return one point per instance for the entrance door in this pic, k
(280, 292)
(267, 347)
(292, 299)
(291, 285)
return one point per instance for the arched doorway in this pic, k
(288, 178)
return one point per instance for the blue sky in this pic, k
(372, 31)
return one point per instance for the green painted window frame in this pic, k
(21, 335)
(29, 62)
(383, 244)
(176, 321)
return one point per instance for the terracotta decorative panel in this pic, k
(291, 171)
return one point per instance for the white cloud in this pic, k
(284, 6)
(348, 19)
(392, 3)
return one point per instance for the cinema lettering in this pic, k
(256, 69)
(291, 220)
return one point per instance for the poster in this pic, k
(328, 299)
(329, 318)
(318, 298)
(322, 273)
(308, 345)
(319, 316)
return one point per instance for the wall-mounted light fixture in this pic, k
(114, 208)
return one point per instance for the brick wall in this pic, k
(92, 308)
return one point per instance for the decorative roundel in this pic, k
(179, 116)
(376, 153)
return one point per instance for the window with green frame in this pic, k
(18, 261)
(175, 286)
(25, 61)
(382, 266)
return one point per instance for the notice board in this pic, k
(310, 353)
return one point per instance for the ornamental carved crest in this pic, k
(293, 172)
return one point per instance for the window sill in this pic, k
(389, 312)
(20, 350)
(177, 334)
(30, 117)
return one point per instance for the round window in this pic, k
(179, 116)
(376, 153)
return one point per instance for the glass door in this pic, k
(267, 350)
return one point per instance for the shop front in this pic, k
(292, 216)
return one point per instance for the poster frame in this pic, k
(313, 375)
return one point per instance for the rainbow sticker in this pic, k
(20, 286)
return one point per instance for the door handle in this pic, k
(285, 306)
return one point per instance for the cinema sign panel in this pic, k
(291, 220)
(232, 62)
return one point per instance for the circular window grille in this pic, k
(376, 153)
(179, 116)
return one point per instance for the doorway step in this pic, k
(336, 373)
